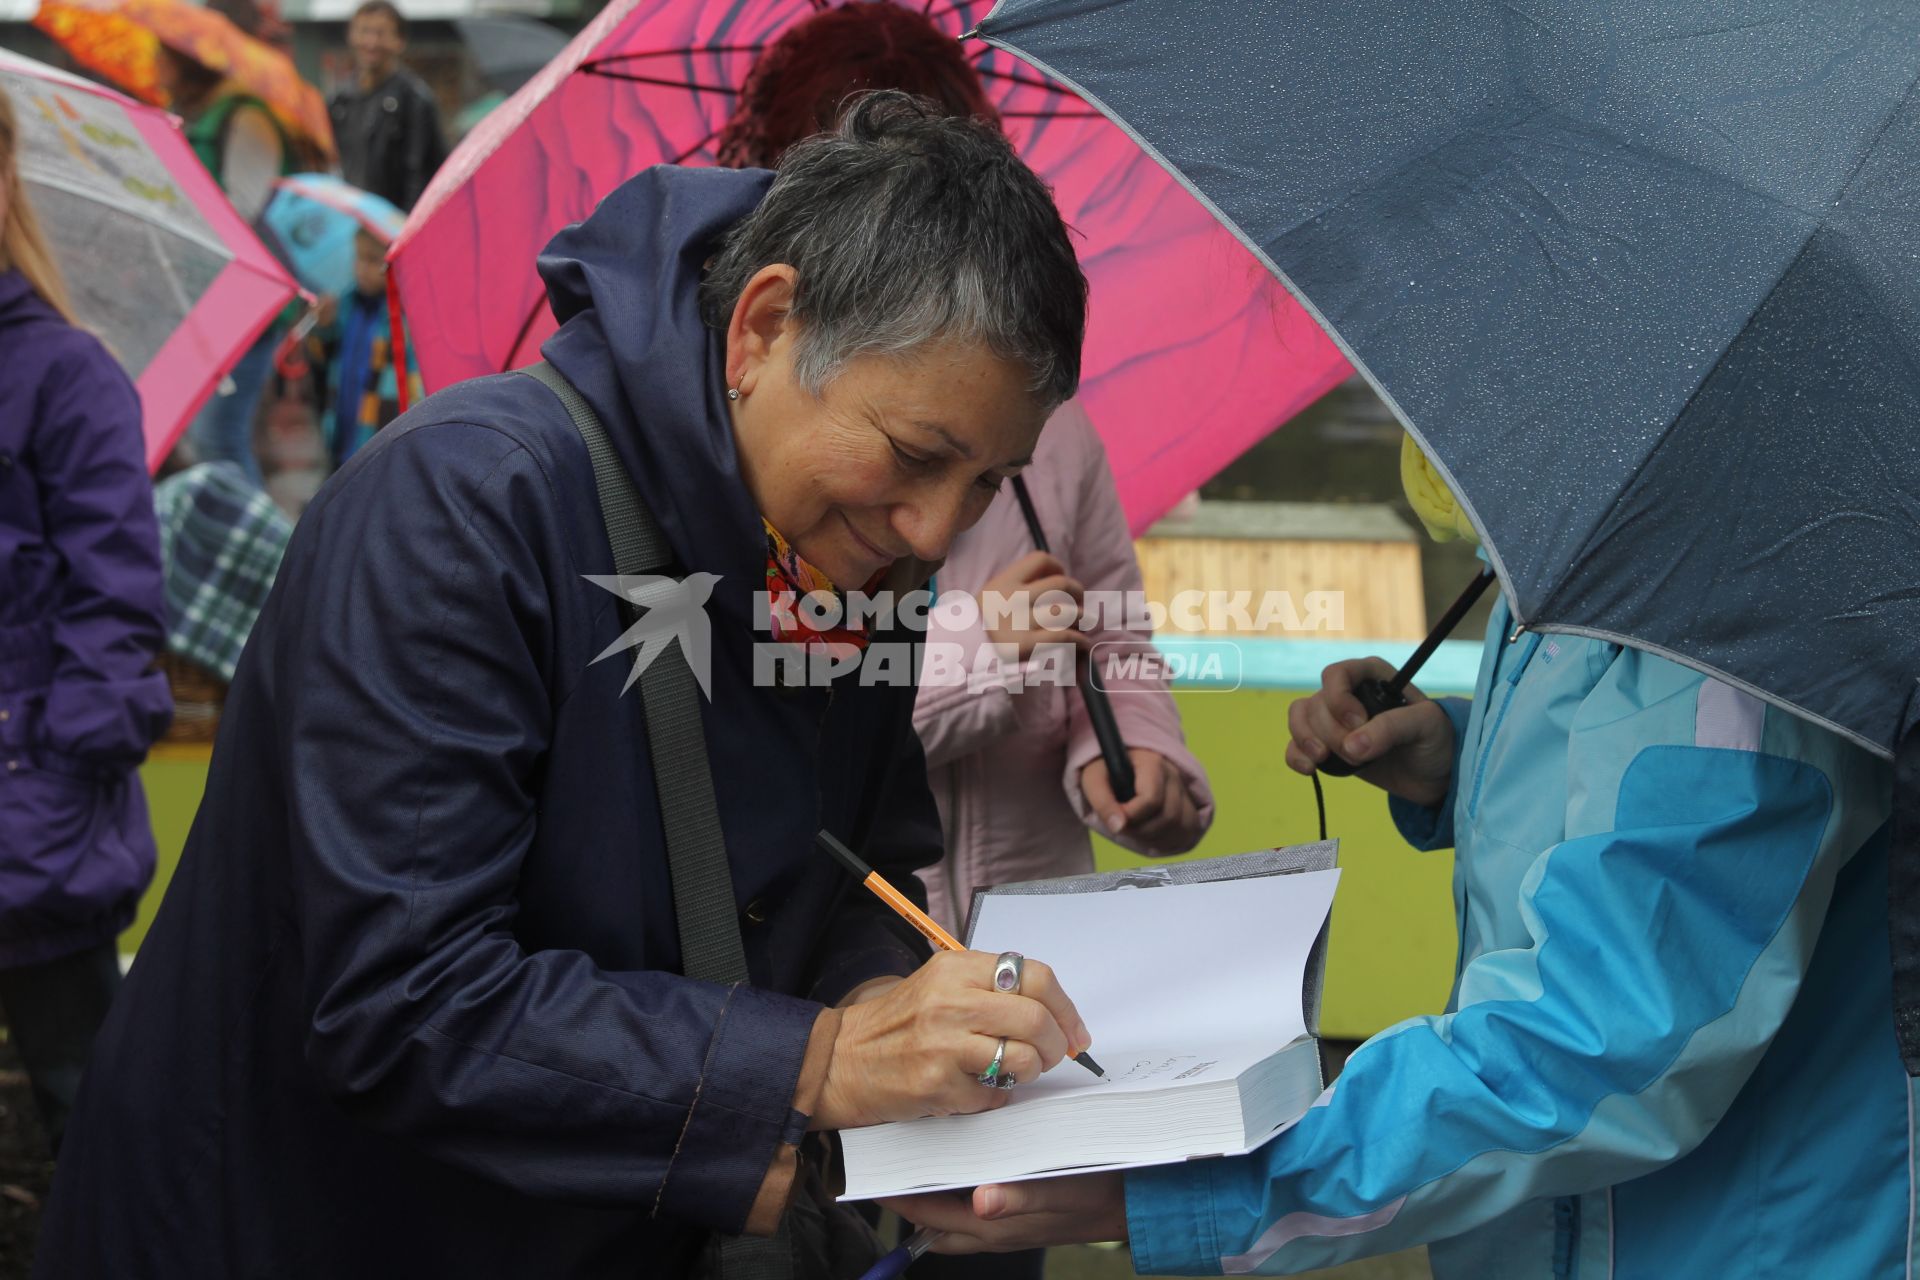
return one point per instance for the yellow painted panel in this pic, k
(1382, 582)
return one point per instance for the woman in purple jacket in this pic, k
(81, 618)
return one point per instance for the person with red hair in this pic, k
(799, 86)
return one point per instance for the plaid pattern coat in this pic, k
(221, 540)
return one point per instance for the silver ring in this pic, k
(1007, 971)
(993, 1077)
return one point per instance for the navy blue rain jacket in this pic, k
(411, 1006)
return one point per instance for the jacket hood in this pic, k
(624, 286)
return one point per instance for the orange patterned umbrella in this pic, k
(119, 39)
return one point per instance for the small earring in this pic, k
(733, 393)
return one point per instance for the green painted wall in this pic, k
(174, 777)
(1392, 947)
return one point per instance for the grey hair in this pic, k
(905, 227)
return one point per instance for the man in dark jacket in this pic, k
(413, 1004)
(386, 127)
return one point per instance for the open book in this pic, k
(1200, 982)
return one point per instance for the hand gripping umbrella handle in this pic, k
(1377, 696)
(1106, 730)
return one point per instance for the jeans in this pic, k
(53, 1011)
(223, 431)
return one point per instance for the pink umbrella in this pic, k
(157, 261)
(1193, 350)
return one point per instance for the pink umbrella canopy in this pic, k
(1194, 352)
(158, 263)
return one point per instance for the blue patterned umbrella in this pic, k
(311, 221)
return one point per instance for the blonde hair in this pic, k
(22, 246)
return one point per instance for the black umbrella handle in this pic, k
(1106, 730)
(1377, 696)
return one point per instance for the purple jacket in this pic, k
(81, 618)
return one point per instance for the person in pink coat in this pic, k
(1015, 767)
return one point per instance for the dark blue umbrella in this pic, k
(507, 49)
(1644, 278)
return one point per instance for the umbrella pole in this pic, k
(1377, 696)
(1106, 730)
(395, 322)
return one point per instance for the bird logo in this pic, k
(670, 609)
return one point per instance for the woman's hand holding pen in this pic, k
(917, 1048)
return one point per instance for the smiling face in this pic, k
(894, 457)
(374, 37)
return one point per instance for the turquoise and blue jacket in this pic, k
(1669, 1049)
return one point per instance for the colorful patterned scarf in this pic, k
(790, 580)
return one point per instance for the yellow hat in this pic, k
(1432, 501)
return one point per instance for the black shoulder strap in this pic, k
(703, 903)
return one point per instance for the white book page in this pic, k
(1177, 983)
(864, 1193)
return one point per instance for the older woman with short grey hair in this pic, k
(416, 1004)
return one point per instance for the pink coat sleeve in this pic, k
(964, 709)
(1101, 556)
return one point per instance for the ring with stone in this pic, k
(1007, 970)
(995, 1076)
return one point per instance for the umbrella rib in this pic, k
(1699, 388)
(92, 196)
(662, 81)
(594, 63)
(1013, 77)
(681, 158)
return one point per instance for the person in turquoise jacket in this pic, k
(1669, 1050)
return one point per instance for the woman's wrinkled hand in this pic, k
(1031, 602)
(1407, 751)
(1162, 814)
(1021, 1215)
(917, 1048)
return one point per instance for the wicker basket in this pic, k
(198, 696)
